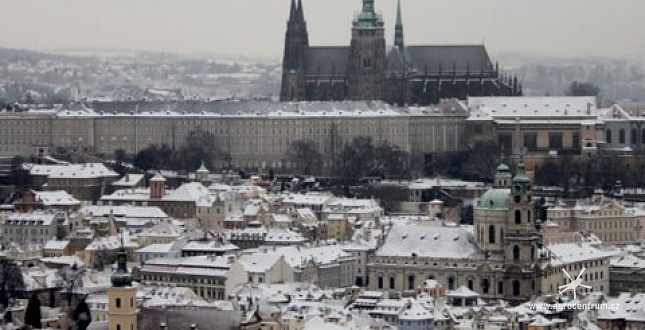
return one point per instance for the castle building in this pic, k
(368, 69)
(122, 305)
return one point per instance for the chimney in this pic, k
(157, 186)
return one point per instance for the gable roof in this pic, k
(462, 57)
(407, 240)
(325, 60)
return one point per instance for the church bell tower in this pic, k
(122, 296)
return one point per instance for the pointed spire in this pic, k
(300, 15)
(292, 12)
(399, 19)
(398, 30)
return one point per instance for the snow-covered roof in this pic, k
(306, 214)
(112, 242)
(279, 217)
(191, 191)
(53, 244)
(210, 246)
(157, 248)
(34, 218)
(283, 236)
(534, 107)
(312, 198)
(407, 240)
(631, 308)
(443, 182)
(129, 180)
(568, 253)
(55, 198)
(64, 260)
(628, 261)
(298, 256)
(462, 292)
(124, 211)
(258, 263)
(199, 265)
(415, 312)
(73, 171)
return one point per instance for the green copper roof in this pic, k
(502, 167)
(399, 18)
(494, 199)
(520, 175)
(368, 18)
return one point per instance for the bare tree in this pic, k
(582, 89)
(11, 280)
(306, 157)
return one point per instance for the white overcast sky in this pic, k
(256, 27)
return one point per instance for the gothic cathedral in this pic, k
(368, 70)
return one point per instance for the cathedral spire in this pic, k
(398, 28)
(292, 12)
(300, 16)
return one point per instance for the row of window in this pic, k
(622, 136)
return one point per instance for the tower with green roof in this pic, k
(367, 55)
(491, 212)
(521, 239)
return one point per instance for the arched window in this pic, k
(634, 136)
(380, 282)
(608, 136)
(516, 287)
(500, 287)
(532, 252)
(451, 283)
(411, 282)
(117, 302)
(516, 252)
(518, 217)
(392, 282)
(528, 216)
(621, 136)
(491, 234)
(485, 285)
(643, 136)
(118, 327)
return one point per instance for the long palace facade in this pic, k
(255, 134)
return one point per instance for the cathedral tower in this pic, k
(122, 303)
(294, 61)
(367, 56)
